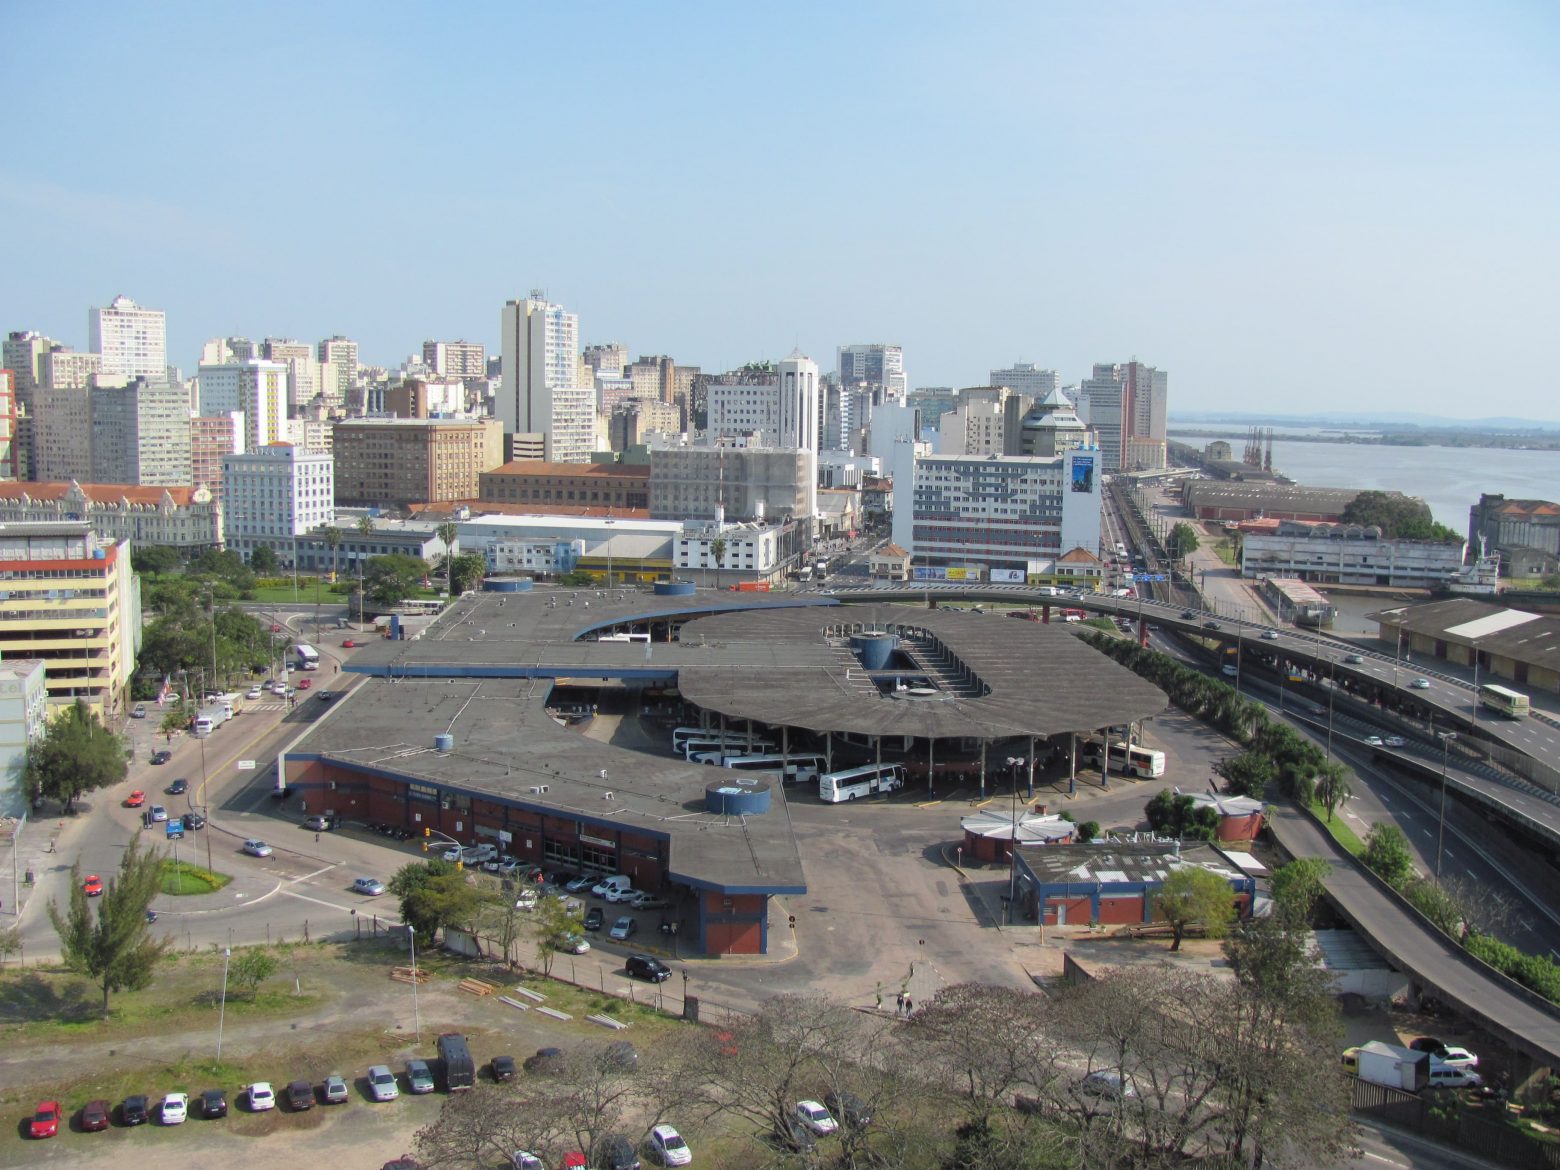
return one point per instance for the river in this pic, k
(1449, 479)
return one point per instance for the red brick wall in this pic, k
(1240, 828)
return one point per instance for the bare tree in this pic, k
(487, 1125)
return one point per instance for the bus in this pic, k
(1511, 704)
(714, 751)
(681, 736)
(1142, 762)
(418, 607)
(306, 657)
(645, 637)
(795, 769)
(854, 783)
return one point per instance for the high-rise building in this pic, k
(606, 361)
(211, 439)
(1147, 401)
(141, 433)
(132, 341)
(654, 376)
(62, 435)
(8, 451)
(303, 368)
(456, 359)
(734, 484)
(540, 393)
(24, 717)
(338, 357)
(24, 352)
(65, 369)
(413, 460)
(257, 388)
(1102, 401)
(1026, 379)
(276, 493)
(71, 600)
(1052, 427)
(874, 365)
(800, 414)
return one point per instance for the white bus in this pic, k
(306, 657)
(418, 607)
(1140, 761)
(854, 783)
(681, 736)
(1511, 704)
(624, 638)
(794, 769)
(714, 751)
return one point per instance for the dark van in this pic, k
(460, 1071)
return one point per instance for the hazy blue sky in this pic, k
(1287, 206)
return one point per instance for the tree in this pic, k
(434, 895)
(718, 551)
(263, 560)
(10, 943)
(468, 571)
(485, 1126)
(1088, 831)
(1398, 517)
(986, 1041)
(1332, 787)
(1247, 774)
(1388, 855)
(390, 580)
(156, 559)
(1183, 541)
(1177, 814)
(77, 754)
(1192, 894)
(553, 918)
(252, 967)
(333, 536)
(1297, 886)
(110, 942)
(446, 534)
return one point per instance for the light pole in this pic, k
(1332, 685)
(227, 953)
(608, 524)
(411, 933)
(1446, 738)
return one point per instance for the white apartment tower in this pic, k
(338, 358)
(257, 388)
(541, 393)
(1102, 402)
(141, 433)
(1025, 378)
(133, 341)
(274, 494)
(800, 417)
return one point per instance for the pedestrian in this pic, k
(909, 1007)
(899, 1003)
(316, 838)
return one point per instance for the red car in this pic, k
(305, 683)
(347, 644)
(46, 1121)
(136, 799)
(93, 886)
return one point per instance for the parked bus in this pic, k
(418, 607)
(306, 657)
(854, 783)
(624, 638)
(681, 736)
(714, 751)
(1511, 704)
(794, 769)
(1142, 762)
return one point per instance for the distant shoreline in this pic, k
(1523, 441)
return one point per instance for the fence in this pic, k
(1470, 1128)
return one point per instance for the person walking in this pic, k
(899, 1003)
(909, 1007)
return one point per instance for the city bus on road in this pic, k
(306, 657)
(1511, 704)
(1140, 761)
(854, 783)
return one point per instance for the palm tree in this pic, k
(718, 551)
(332, 536)
(1332, 787)
(365, 527)
(446, 534)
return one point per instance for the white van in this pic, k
(202, 727)
(618, 882)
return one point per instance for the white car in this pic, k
(175, 1108)
(1395, 741)
(620, 894)
(524, 1160)
(261, 1097)
(1448, 1076)
(1270, 635)
(159, 813)
(1420, 684)
(1375, 741)
(1454, 1057)
(279, 689)
(252, 693)
(668, 1146)
(381, 1083)
(453, 853)
(526, 900)
(816, 1118)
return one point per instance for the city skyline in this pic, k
(1328, 208)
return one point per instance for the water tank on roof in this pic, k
(507, 584)
(873, 648)
(738, 795)
(444, 744)
(674, 588)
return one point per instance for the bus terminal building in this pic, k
(459, 732)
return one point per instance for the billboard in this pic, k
(1083, 473)
(1008, 576)
(930, 573)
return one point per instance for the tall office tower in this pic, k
(1026, 379)
(258, 388)
(211, 440)
(23, 355)
(654, 376)
(141, 433)
(540, 396)
(303, 368)
(338, 358)
(876, 365)
(606, 361)
(8, 452)
(1147, 396)
(221, 351)
(1102, 401)
(62, 435)
(65, 369)
(456, 359)
(132, 341)
(933, 402)
(800, 415)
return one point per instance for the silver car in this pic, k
(373, 887)
(381, 1083)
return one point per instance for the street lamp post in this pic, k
(227, 954)
(411, 933)
(1446, 738)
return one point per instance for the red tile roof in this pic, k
(97, 493)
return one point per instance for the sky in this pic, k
(1289, 207)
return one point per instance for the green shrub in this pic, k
(1534, 972)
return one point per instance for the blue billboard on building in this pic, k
(1083, 473)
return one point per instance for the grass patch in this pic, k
(1341, 832)
(181, 878)
(1224, 549)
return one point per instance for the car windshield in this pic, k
(673, 1141)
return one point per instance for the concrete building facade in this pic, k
(399, 461)
(611, 485)
(132, 341)
(179, 517)
(274, 494)
(540, 391)
(24, 716)
(255, 387)
(62, 434)
(1514, 529)
(211, 439)
(714, 483)
(1348, 554)
(141, 433)
(456, 359)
